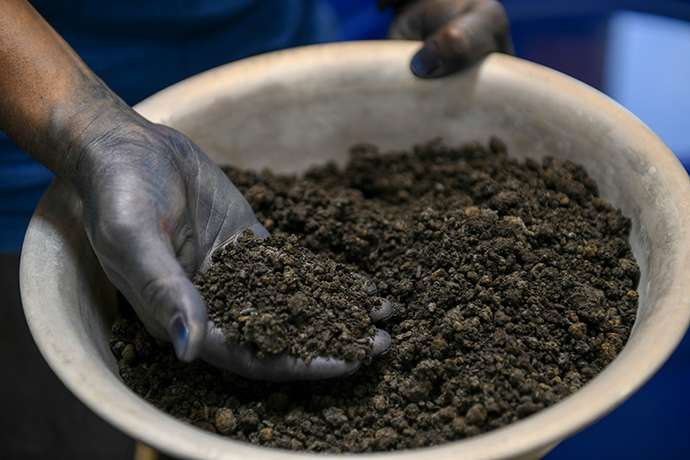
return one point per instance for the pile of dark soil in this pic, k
(514, 285)
(283, 298)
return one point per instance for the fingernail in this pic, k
(179, 335)
(382, 312)
(425, 63)
(381, 343)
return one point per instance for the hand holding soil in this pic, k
(513, 281)
(279, 312)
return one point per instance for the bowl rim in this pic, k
(131, 414)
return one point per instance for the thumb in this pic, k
(178, 307)
(456, 33)
(140, 261)
(454, 47)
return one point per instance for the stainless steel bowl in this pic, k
(291, 109)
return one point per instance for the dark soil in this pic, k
(514, 284)
(283, 298)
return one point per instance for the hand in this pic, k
(241, 359)
(155, 208)
(456, 33)
(154, 205)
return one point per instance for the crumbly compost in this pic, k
(513, 281)
(283, 298)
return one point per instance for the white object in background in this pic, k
(648, 71)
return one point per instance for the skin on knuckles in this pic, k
(457, 33)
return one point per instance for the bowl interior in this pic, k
(292, 109)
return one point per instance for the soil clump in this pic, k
(283, 298)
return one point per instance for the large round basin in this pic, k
(291, 109)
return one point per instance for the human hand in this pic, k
(155, 208)
(242, 359)
(456, 33)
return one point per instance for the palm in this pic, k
(155, 211)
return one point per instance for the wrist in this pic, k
(78, 129)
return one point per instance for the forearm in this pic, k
(48, 96)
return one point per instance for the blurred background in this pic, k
(637, 52)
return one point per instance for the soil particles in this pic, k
(513, 285)
(283, 298)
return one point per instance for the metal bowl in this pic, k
(291, 109)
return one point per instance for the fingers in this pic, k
(419, 19)
(178, 306)
(141, 263)
(286, 368)
(259, 231)
(382, 311)
(462, 41)
(242, 360)
(381, 343)
(456, 34)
